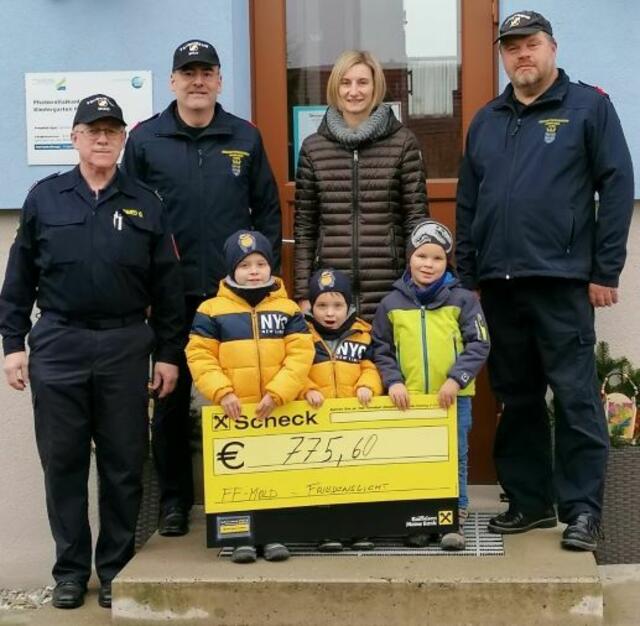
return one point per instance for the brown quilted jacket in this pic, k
(354, 208)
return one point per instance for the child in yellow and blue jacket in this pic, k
(342, 364)
(430, 336)
(250, 343)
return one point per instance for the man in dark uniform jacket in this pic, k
(212, 172)
(530, 238)
(94, 251)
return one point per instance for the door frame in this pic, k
(267, 29)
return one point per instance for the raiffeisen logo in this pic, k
(61, 85)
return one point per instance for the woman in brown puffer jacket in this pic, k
(360, 186)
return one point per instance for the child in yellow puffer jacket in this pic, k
(342, 365)
(250, 343)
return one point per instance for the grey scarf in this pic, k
(371, 129)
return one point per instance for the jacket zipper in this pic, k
(203, 277)
(94, 212)
(425, 368)
(254, 323)
(514, 134)
(355, 236)
(333, 365)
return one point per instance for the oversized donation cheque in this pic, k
(341, 471)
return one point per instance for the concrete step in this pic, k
(179, 581)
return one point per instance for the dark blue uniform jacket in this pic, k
(526, 202)
(211, 186)
(93, 258)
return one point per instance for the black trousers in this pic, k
(542, 334)
(171, 432)
(91, 384)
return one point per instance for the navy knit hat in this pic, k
(327, 281)
(243, 243)
(430, 231)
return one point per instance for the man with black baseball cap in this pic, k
(529, 237)
(93, 251)
(211, 169)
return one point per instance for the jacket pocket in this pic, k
(133, 242)
(572, 231)
(394, 251)
(317, 257)
(62, 236)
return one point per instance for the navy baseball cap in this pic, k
(97, 107)
(195, 51)
(524, 23)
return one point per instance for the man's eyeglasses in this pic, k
(94, 133)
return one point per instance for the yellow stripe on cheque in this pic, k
(341, 453)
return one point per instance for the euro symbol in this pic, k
(226, 455)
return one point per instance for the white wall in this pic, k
(619, 325)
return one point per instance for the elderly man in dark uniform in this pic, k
(93, 251)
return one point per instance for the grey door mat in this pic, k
(479, 542)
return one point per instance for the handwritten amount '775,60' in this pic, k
(308, 449)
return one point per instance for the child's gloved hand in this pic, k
(448, 393)
(364, 395)
(400, 396)
(314, 398)
(231, 405)
(265, 406)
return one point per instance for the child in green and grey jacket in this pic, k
(430, 336)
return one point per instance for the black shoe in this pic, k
(104, 595)
(582, 534)
(512, 521)
(174, 522)
(68, 594)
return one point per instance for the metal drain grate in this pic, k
(479, 542)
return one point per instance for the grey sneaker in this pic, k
(455, 539)
(418, 540)
(244, 554)
(362, 544)
(330, 545)
(276, 552)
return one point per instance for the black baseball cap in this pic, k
(97, 107)
(524, 23)
(194, 51)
